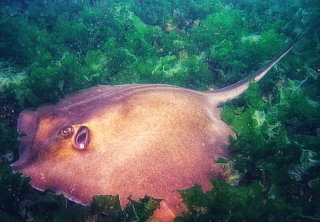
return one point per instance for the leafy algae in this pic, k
(66, 46)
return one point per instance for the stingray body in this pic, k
(129, 140)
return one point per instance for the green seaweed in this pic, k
(215, 204)
(51, 48)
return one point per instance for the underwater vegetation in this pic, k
(8, 75)
(51, 48)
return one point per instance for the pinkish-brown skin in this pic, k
(129, 140)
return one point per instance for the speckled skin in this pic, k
(143, 140)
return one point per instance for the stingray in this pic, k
(129, 140)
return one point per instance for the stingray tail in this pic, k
(235, 90)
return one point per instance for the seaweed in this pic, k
(51, 48)
(216, 204)
(269, 146)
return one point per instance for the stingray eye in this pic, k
(81, 140)
(66, 132)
